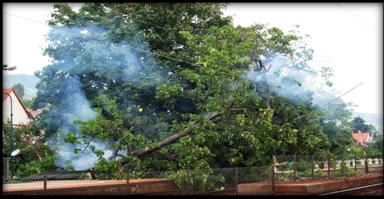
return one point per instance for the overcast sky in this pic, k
(347, 37)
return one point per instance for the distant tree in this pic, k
(19, 88)
(376, 149)
(358, 124)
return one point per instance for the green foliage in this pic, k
(345, 171)
(28, 103)
(70, 138)
(376, 149)
(34, 156)
(201, 179)
(319, 174)
(134, 115)
(303, 168)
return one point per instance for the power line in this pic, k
(344, 93)
(358, 18)
(141, 50)
(28, 19)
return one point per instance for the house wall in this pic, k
(19, 114)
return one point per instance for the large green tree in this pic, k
(181, 101)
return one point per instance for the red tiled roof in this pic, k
(9, 91)
(361, 137)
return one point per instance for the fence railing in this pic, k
(210, 181)
(299, 167)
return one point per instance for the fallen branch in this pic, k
(173, 138)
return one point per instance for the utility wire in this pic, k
(28, 19)
(344, 93)
(358, 18)
(141, 50)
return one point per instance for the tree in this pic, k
(336, 125)
(358, 124)
(34, 157)
(162, 85)
(19, 89)
(376, 149)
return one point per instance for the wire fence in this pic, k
(311, 167)
(226, 181)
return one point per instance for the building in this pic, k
(362, 138)
(20, 113)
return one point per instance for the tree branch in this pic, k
(173, 138)
(167, 141)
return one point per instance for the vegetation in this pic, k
(195, 111)
(34, 157)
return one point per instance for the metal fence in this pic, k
(210, 181)
(227, 181)
(311, 167)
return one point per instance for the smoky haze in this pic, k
(85, 51)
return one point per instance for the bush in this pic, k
(345, 171)
(303, 169)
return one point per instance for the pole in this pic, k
(329, 165)
(355, 163)
(365, 162)
(237, 179)
(342, 166)
(11, 133)
(273, 173)
(313, 166)
(294, 166)
(45, 182)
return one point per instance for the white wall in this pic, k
(19, 114)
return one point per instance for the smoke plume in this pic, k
(83, 51)
(296, 81)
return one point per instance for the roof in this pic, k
(8, 92)
(361, 137)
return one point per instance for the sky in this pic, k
(347, 37)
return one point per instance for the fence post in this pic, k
(365, 162)
(237, 179)
(294, 166)
(341, 166)
(329, 165)
(313, 166)
(273, 173)
(355, 163)
(45, 182)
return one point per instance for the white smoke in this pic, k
(294, 81)
(87, 49)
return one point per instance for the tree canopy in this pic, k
(164, 87)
